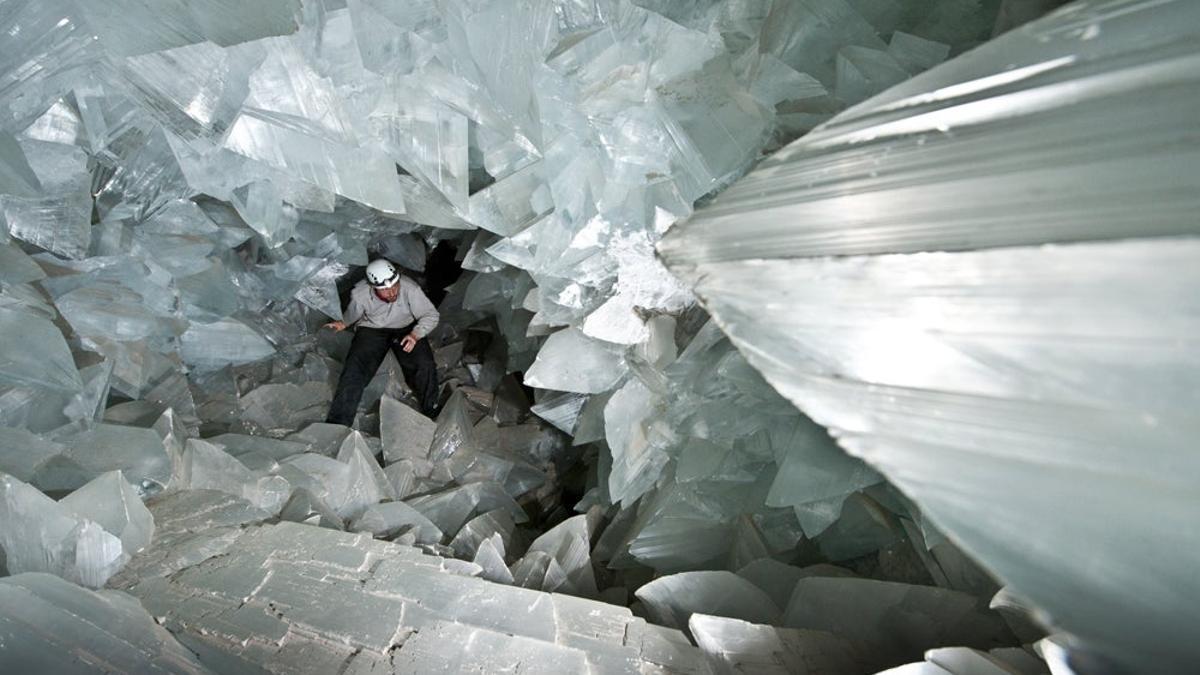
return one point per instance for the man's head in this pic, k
(384, 278)
(388, 294)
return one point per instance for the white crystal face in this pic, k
(980, 287)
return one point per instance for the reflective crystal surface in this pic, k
(405, 433)
(385, 521)
(571, 361)
(115, 505)
(206, 466)
(33, 352)
(40, 535)
(366, 483)
(673, 599)
(733, 645)
(138, 453)
(65, 629)
(978, 281)
(234, 606)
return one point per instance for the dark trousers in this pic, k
(367, 352)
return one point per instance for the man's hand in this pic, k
(338, 326)
(408, 342)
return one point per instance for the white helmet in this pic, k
(382, 274)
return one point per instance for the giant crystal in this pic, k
(312, 598)
(115, 505)
(34, 352)
(732, 646)
(138, 453)
(988, 270)
(673, 599)
(58, 219)
(405, 433)
(39, 535)
(204, 466)
(571, 361)
(67, 629)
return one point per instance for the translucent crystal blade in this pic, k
(16, 267)
(561, 410)
(173, 24)
(815, 469)
(673, 599)
(428, 141)
(62, 625)
(293, 122)
(305, 507)
(481, 528)
(32, 351)
(239, 444)
(490, 556)
(262, 207)
(207, 467)
(138, 453)
(747, 647)
(637, 450)
(512, 203)
(864, 72)
(22, 452)
(451, 509)
(41, 47)
(454, 432)
(195, 89)
(403, 477)
(1083, 187)
(113, 311)
(405, 432)
(569, 543)
(321, 437)
(916, 54)
(40, 535)
(871, 606)
(17, 178)
(58, 219)
(274, 409)
(113, 503)
(384, 521)
(366, 483)
(223, 342)
(928, 211)
(571, 361)
(325, 477)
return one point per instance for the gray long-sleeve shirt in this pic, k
(368, 311)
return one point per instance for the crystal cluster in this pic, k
(991, 282)
(64, 629)
(246, 596)
(180, 201)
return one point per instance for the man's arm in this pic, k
(353, 313)
(423, 311)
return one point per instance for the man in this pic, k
(389, 311)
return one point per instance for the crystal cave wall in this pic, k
(186, 189)
(234, 184)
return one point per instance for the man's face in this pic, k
(388, 294)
